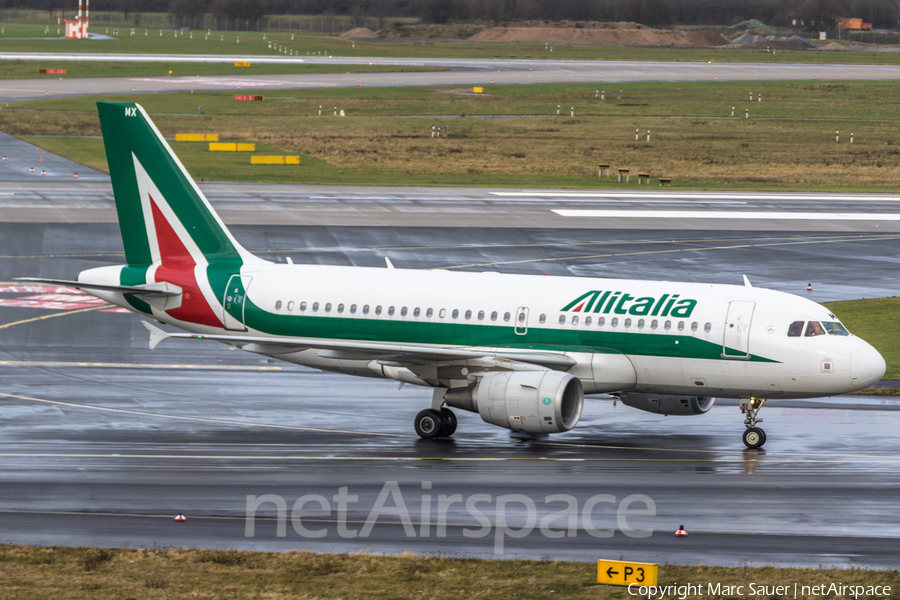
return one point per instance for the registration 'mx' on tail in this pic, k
(181, 259)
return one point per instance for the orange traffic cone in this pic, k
(681, 532)
(76, 175)
(32, 169)
(43, 172)
(809, 288)
(181, 517)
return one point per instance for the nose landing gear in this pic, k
(754, 437)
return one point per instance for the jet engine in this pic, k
(668, 405)
(529, 401)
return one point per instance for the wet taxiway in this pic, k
(103, 441)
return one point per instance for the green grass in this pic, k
(787, 143)
(22, 69)
(88, 573)
(874, 320)
(253, 43)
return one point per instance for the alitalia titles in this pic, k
(623, 303)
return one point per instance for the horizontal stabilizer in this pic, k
(150, 289)
(156, 334)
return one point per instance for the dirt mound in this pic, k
(636, 35)
(358, 33)
(832, 46)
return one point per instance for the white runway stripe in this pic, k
(711, 214)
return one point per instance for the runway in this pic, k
(462, 72)
(104, 441)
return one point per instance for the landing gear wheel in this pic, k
(429, 424)
(449, 426)
(754, 437)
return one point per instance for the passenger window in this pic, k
(614, 321)
(378, 310)
(654, 324)
(708, 327)
(278, 305)
(521, 317)
(814, 328)
(680, 325)
(562, 319)
(627, 322)
(340, 308)
(506, 316)
(416, 312)
(542, 318)
(468, 315)
(481, 315)
(315, 306)
(291, 305)
(429, 313)
(668, 325)
(587, 321)
(302, 306)
(575, 320)
(601, 321)
(835, 328)
(455, 313)
(328, 307)
(494, 316)
(403, 312)
(352, 309)
(640, 323)
(694, 326)
(365, 309)
(443, 313)
(795, 329)
(391, 311)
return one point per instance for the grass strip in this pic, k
(87, 573)
(149, 41)
(789, 142)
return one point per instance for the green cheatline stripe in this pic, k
(491, 336)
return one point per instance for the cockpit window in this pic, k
(814, 328)
(795, 329)
(835, 328)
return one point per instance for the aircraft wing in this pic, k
(150, 289)
(359, 350)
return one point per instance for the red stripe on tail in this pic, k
(178, 268)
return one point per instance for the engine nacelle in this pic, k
(668, 405)
(529, 401)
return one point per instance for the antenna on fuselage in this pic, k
(388, 262)
(747, 282)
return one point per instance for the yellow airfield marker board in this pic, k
(242, 64)
(620, 572)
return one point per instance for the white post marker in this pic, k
(747, 114)
(572, 111)
(636, 135)
(320, 110)
(335, 111)
(648, 135)
(603, 95)
(732, 111)
(851, 137)
(751, 96)
(837, 137)
(557, 109)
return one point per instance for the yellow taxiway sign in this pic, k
(618, 572)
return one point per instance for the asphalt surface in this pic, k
(463, 72)
(104, 441)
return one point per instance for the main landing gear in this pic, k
(432, 423)
(754, 437)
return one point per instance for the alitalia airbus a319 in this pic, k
(521, 351)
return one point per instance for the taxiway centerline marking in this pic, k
(37, 363)
(198, 419)
(62, 314)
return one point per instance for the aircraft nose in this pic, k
(866, 366)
